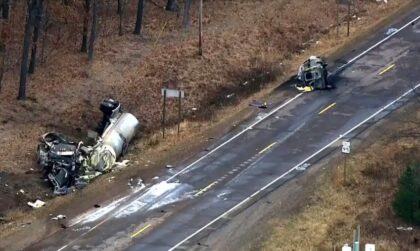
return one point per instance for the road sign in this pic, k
(345, 147)
(172, 93)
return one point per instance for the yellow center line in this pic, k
(141, 230)
(268, 147)
(387, 69)
(206, 188)
(327, 108)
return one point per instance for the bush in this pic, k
(407, 200)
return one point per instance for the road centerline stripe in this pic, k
(387, 69)
(268, 147)
(206, 188)
(141, 230)
(327, 108)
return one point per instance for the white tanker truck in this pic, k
(66, 164)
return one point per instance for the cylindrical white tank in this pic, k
(120, 132)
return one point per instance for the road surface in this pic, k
(190, 202)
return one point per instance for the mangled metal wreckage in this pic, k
(69, 164)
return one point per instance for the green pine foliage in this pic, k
(407, 200)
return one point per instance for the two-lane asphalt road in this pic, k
(184, 206)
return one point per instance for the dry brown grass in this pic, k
(335, 209)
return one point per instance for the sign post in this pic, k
(163, 112)
(171, 93)
(345, 148)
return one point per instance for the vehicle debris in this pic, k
(313, 74)
(405, 228)
(391, 31)
(68, 164)
(121, 165)
(259, 104)
(36, 204)
(59, 217)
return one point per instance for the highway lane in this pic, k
(262, 152)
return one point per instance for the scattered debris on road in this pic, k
(303, 167)
(69, 165)
(259, 104)
(391, 31)
(36, 204)
(59, 217)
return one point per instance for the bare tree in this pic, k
(186, 16)
(85, 26)
(30, 20)
(37, 29)
(4, 8)
(139, 19)
(171, 5)
(121, 8)
(93, 29)
(2, 60)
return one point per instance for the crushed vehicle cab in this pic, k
(312, 75)
(69, 164)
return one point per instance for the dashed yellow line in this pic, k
(268, 147)
(206, 188)
(387, 69)
(141, 230)
(327, 108)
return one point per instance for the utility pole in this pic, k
(348, 16)
(200, 28)
(338, 16)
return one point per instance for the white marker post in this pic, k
(345, 148)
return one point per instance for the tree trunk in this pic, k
(121, 6)
(139, 20)
(2, 61)
(171, 5)
(37, 28)
(26, 46)
(85, 27)
(93, 29)
(186, 17)
(4, 8)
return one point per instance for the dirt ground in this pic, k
(255, 41)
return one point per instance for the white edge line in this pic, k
(292, 169)
(278, 108)
(378, 43)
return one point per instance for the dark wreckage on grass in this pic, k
(66, 164)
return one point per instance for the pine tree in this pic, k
(407, 200)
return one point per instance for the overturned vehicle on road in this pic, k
(313, 75)
(68, 164)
